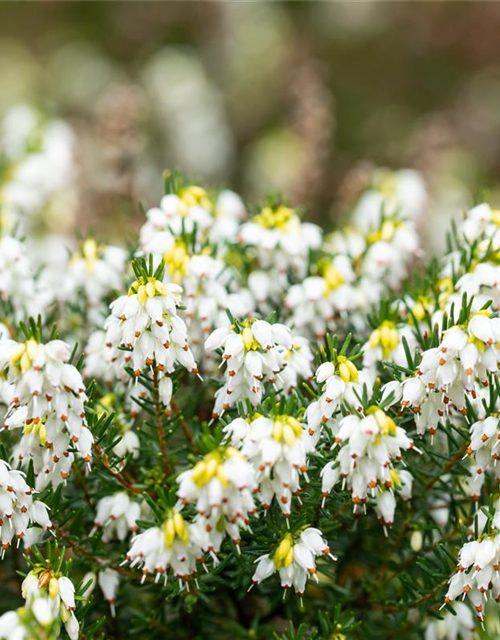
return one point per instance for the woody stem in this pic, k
(159, 423)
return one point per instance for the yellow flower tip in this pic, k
(288, 435)
(286, 428)
(495, 216)
(374, 339)
(347, 370)
(353, 372)
(344, 372)
(278, 218)
(25, 362)
(289, 558)
(17, 354)
(142, 294)
(420, 308)
(53, 587)
(169, 533)
(24, 355)
(90, 251)
(388, 230)
(107, 400)
(482, 312)
(333, 279)
(295, 425)
(248, 338)
(231, 452)
(394, 476)
(283, 556)
(210, 467)
(181, 528)
(278, 430)
(176, 260)
(385, 423)
(199, 473)
(445, 285)
(89, 248)
(385, 336)
(221, 476)
(42, 434)
(193, 196)
(32, 348)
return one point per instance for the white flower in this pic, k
(176, 214)
(342, 383)
(294, 559)
(146, 323)
(454, 626)
(97, 271)
(171, 546)
(109, 581)
(485, 449)
(221, 487)
(12, 626)
(318, 302)
(51, 597)
(17, 284)
(477, 574)
(282, 243)
(41, 176)
(277, 447)
(116, 516)
(19, 510)
(205, 282)
(229, 212)
(482, 221)
(395, 192)
(297, 364)
(47, 403)
(253, 356)
(457, 368)
(370, 445)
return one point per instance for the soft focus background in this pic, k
(297, 98)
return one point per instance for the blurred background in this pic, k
(300, 98)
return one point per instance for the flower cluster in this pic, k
(46, 400)
(477, 574)
(116, 515)
(369, 445)
(358, 266)
(282, 244)
(455, 625)
(145, 329)
(221, 487)
(39, 162)
(294, 559)
(19, 510)
(254, 352)
(189, 209)
(173, 546)
(455, 369)
(96, 271)
(50, 601)
(277, 447)
(321, 363)
(17, 285)
(342, 383)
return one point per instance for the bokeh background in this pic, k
(300, 98)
